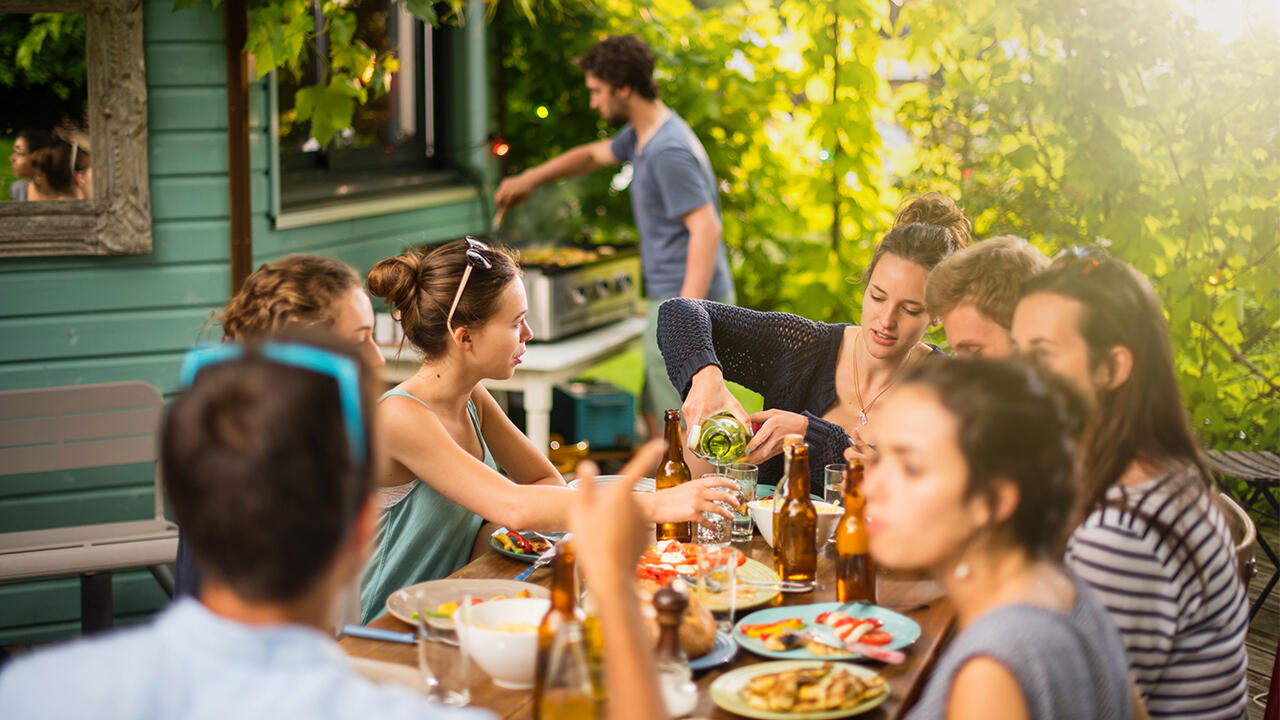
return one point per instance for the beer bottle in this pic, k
(855, 573)
(675, 679)
(795, 547)
(562, 676)
(671, 472)
(780, 492)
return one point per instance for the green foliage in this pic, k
(50, 52)
(42, 62)
(753, 79)
(6, 170)
(1125, 125)
(282, 36)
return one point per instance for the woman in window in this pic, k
(818, 379)
(24, 146)
(973, 482)
(443, 436)
(1153, 544)
(62, 170)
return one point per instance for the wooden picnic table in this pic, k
(918, 598)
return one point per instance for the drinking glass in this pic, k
(745, 475)
(717, 579)
(721, 530)
(833, 483)
(446, 669)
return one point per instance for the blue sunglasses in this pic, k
(342, 369)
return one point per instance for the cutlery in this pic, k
(875, 652)
(542, 560)
(369, 633)
(787, 585)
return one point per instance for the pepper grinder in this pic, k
(674, 676)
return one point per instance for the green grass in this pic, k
(6, 170)
(626, 370)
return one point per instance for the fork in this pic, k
(543, 559)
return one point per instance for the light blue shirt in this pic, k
(190, 663)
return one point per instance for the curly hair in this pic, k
(989, 275)
(299, 289)
(935, 208)
(419, 286)
(622, 61)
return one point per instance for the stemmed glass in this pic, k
(445, 673)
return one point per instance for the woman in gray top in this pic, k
(973, 482)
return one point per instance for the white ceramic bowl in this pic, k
(507, 656)
(829, 515)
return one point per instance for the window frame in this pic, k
(420, 188)
(117, 220)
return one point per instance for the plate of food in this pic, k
(826, 631)
(523, 546)
(799, 690)
(437, 599)
(702, 643)
(642, 485)
(667, 560)
(722, 651)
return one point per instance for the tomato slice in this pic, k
(877, 637)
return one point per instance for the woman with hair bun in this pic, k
(62, 170)
(821, 380)
(443, 436)
(298, 290)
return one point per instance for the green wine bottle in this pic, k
(720, 439)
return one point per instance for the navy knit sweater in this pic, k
(788, 359)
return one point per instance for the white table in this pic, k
(545, 364)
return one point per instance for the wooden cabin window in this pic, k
(394, 143)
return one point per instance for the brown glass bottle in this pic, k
(780, 492)
(564, 611)
(855, 572)
(671, 472)
(795, 547)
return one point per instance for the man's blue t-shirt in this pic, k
(671, 177)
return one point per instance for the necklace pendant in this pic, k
(862, 417)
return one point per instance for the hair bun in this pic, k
(934, 208)
(395, 280)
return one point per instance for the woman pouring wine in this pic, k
(819, 380)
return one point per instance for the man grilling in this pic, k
(673, 193)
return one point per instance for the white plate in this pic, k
(404, 602)
(642, 485)
(727, 689)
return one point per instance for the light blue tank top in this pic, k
(423, 536)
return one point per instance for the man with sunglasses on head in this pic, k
(266, 460)
(673, 192)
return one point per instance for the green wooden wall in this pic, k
(69, 321)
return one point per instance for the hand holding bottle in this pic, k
(708, 395)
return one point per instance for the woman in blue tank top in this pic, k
(442, 436)
(973, 482)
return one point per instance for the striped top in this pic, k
(1183, 628)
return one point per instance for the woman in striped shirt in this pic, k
(1152, 543)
